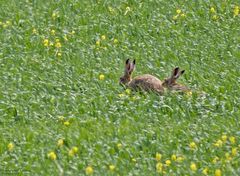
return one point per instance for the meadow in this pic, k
(62, 111)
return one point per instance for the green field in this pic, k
(62, 111)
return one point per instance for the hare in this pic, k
(171, 84)
(145, 82)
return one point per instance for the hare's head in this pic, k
(171, 81)
(129, 67)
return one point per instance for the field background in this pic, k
(52, 54)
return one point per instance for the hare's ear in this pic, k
(179, 74)
(127, 61)
(175, 72)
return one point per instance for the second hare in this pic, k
(171, 84)
(144, 82)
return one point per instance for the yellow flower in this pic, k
(53, 32)
(224, 138)
(10, 146)
(215, 17)
(215, 160)
(119, 145)
(98, 42)
(232, 139)
(205, 171)
(111, 167)
(101, 77)
(103, 37)
(54, 15)
(218, 172)
(159, 167)
(175, 17)
(134, 160)
(121, 95)
(89, 170)
(234, 151)
(178, 11)
(158, 156)
(192, 145)
(66, 123)
(61, 118)
(128, 91)
(58, 45)
(59, 54)
(34, 31)
(46, 42)
(75, 149)
(189, 93)
(184, 15)
(193, 167)
(212, 10)
(236, 11)
(168, 162)
(219, 143)
(115, 41)
(52, 156)
(60, 142)
(180, 159)
(174, 157)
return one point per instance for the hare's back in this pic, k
(146, 82)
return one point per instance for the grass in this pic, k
(52, 54)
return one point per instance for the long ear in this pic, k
(127, 65)
(175, 72)
(179, 74)
(132, 66)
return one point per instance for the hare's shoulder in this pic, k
(146, 77)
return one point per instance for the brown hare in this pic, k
(171, 84)
(143, 82)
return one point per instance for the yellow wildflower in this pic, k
(134, 160)
(236, 11)
(103, 37)
(53, 32)
(98, 42)
(111, 167)
(219, 143)
(232, 139)
(212, 10)
(66, 123)
(58, 45)
(193, 167)
(46, 42)
(59, 54)
(192, 145)
(159, 167)
(75, 149)
(175, 17)
(128, 91)
(60, 142)
(215, 17)
(115, 41)
(178, 11)
(215, 160)
(52, 156)
(234, 151)
(180, 159)
(168, 162)
(158, 156)
(205, 171)
(89, 170)
(218, 172)
(119, 145)
(101, 77)
(121, 95)
(34, 31)
(10, 146)
(224, 138)
(174, 157)
(184, 15)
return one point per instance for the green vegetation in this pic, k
(62, 111)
